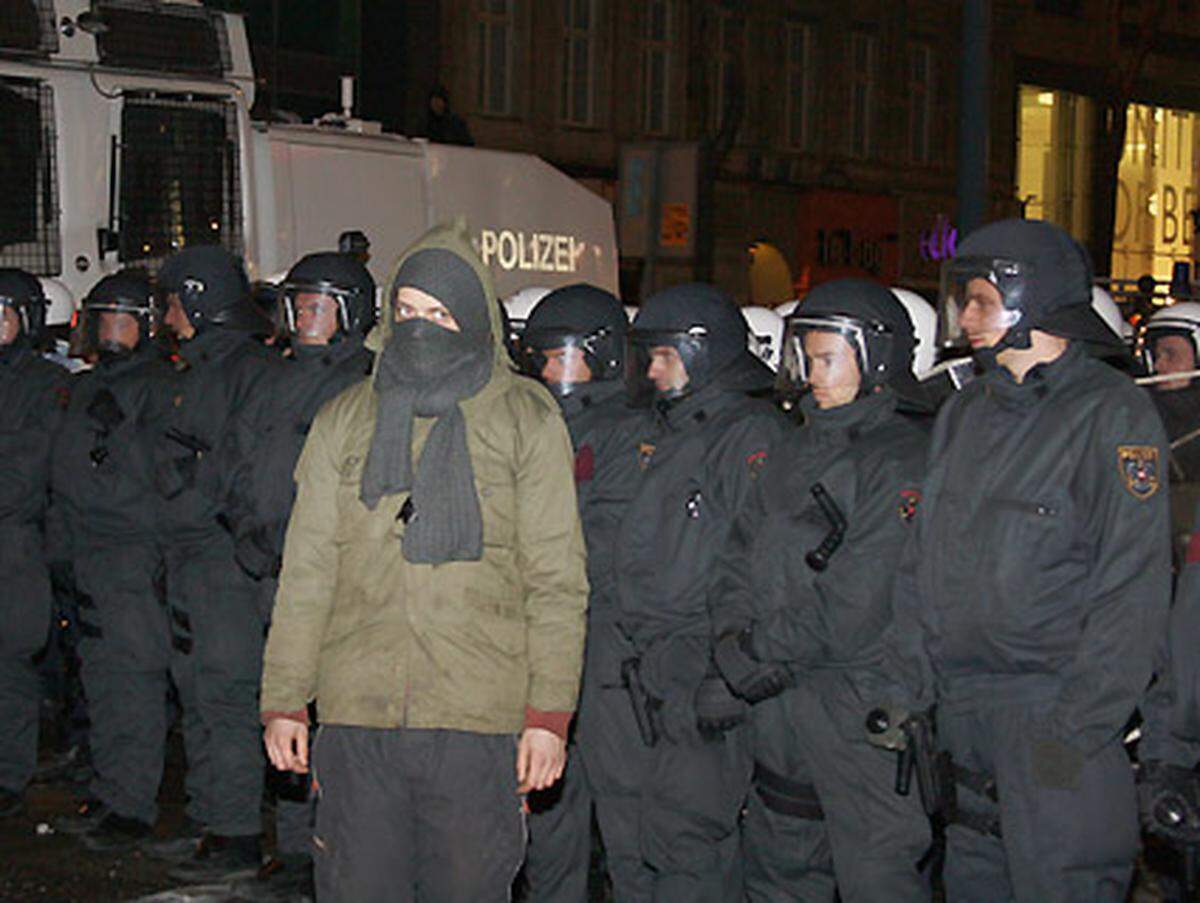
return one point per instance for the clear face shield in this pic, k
(833, 356)
(12, 320)
(981, 299)
(562, 359)
(1166, 347)
(665, 363)
(112, 328)
(314, 313)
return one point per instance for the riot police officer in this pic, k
(1039, 575)
(807, 597)
(1170, 344)
(1169, 750)
(215, 616)
(574, 342)
(328, 306)
(677, 784)
(33, 394)
(103, 505)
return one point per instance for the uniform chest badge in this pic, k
(909, 500)
(1139, 469)
(645, 454)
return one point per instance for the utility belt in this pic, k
(785, 796)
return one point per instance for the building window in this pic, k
(179, 178)
(657, 62)
(920, 102)
(29, 216)
(731, 53)
(864, 51)
(578, 62)
(801, 79)
(495, 58)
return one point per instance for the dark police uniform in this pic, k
(104, 504)
(263, 450)
(216, 617)
(679, 799)
(33, 394)
(1041, 578)
(602, 429)
(824, 797)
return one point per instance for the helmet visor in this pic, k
(13, 320)
(317, 310)
(666, 363)
(863, 353)
(561, 359)
(981, 298)
(1169, 346)
(114, 325)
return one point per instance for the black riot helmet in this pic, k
(125, 292)
(340, 277)
(873, 323)
(212, 287)
(707, 331)
(581, 317)
(1042, 275)
(22, 293)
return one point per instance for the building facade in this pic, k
(825, 130)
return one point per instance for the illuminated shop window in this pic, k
(1055, 140)
(1156, 192)
(1157, 179)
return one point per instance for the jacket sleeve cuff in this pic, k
(555, 722)
(300, 715)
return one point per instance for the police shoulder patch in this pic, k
(1138, 465)
(756, 462)
(909, 500)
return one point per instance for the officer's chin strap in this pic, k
(1014, 337)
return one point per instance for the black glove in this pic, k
(255, 553)
(1169, 801)
(749, 678)
(104, 409)
(717, 709)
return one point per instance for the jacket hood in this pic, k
(452, 237)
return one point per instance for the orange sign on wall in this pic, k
(675, 226)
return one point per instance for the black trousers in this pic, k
(416, 815)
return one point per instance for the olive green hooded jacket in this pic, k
(486, 646)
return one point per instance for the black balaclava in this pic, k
(425, 370)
